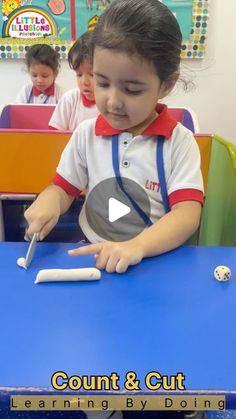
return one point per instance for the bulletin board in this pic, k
(60, 22)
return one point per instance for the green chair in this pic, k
(218, 223)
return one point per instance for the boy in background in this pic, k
(77, 104)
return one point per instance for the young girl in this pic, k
(136, 58)
(77, 104)
(42, 62)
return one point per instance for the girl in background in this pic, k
(43, 64)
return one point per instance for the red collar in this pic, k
(86, 102)
(48, 92)
(162, 125)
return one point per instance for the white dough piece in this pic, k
(21, 262)
(81, 274)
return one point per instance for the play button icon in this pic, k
(117, 210)
(110, 213)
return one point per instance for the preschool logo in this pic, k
(29, 22)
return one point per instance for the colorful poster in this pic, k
(56, 22)
(60, 22)
(192, 16)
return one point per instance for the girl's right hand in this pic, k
(42, 215)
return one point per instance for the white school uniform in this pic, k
(71, 111)
(89, 151)
(26, 95)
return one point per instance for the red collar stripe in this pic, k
(164, 124)
(48, 92)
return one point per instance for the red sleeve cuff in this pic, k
(66, 186)
(186, 195)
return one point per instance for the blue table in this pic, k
(167, 314)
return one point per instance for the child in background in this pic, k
(136, 59)
(77, 104)
(43, 65)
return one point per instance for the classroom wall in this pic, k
(214, 77)
(213, 97)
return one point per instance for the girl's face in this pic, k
(42, 76)
(126, 89)
(84, 74)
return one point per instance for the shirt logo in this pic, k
(152, 186)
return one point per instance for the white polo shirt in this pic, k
(27, 95)
(71, 111)
(87, 160)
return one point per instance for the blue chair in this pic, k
(187, 117)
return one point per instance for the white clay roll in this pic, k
(81, 274)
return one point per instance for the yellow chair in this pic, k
(204, 144)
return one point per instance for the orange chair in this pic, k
(28, 160)
(31, 157)
(204, 142)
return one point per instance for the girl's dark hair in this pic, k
(146, 28)
(81, 50)
(42, 54)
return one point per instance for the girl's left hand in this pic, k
(112, 256)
